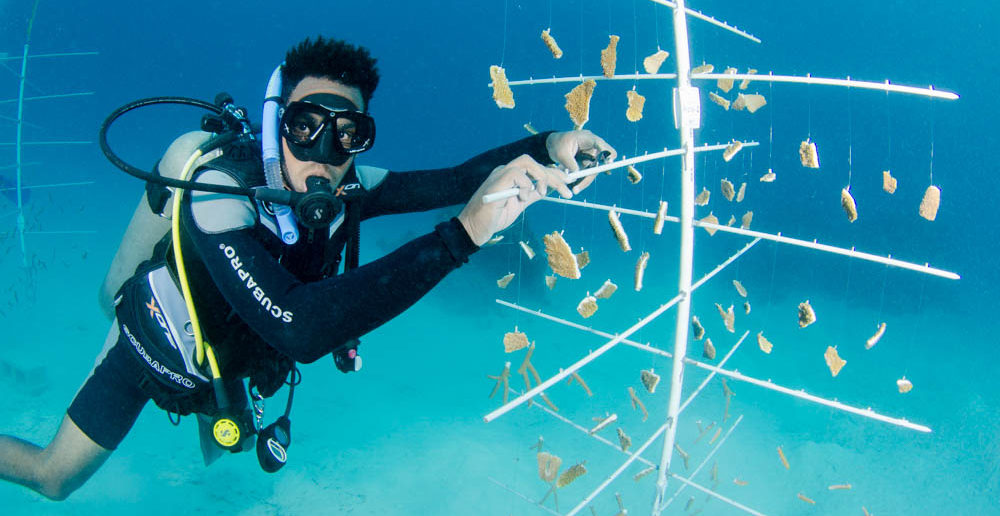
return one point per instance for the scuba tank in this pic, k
(146, 228)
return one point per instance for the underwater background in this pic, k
(405, 435)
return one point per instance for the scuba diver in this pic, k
(253, 265)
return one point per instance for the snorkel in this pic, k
(271, 144)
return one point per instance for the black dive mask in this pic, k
(326, 128)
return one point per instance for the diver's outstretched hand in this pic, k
(579, 149)
(533, 181)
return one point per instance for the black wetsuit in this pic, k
(265, 305)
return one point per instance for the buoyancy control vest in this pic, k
(142, 267)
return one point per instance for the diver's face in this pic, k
(299, 171)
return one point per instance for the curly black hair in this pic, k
(332, 59)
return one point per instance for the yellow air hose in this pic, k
(203, 348)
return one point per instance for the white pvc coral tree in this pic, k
(687, 115)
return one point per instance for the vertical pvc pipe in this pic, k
(20, 126)
(685, 108)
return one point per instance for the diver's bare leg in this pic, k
(56, 470)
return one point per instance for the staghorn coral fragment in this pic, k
(504, 281)
(583, 259)
(561, 258)
(702, 198)
(719, 99)
(727, 84)
(633, 175)
(769, 177)
(865, 511)
(718, 432)
(784, 460)
(929, 204)
(644, 473)
(578, 102)
(689, 504)
(550, 281)
(538, 444)
(661, 215)
(888, 182)
(746, 82)
(806, 314)
(746, 307)
(705, 431)
(739, 288)
(571, 474)
(494, 241)
(739, 482)
(528, 251)
(502, 93)
(808, 155)
(684, 455)
(603, 423)
(715, 472)
(728, 317)
(514, 340)
(577, 378)
(606, 290)
(548, 466)
(637, 403)
(502, 379)
(649, 380)
(609, 57)
(870, 343)
(711, 219)
(806, 499)
(616, 226)
(731, 221)
(833, 360)
(731, 150)
(836, 487)
(652, 62)
(624, 440)
(751, 102)
(765, 345)
(640, 270)
(728, 191)
(904, 385)
(531, 129)
(635, 104)
(709, 350)
(847, 202)
(546, 398)
(587, 307)
(741, 193)
(551, 43)
(703, 68)
(747, 219)
(699, 330)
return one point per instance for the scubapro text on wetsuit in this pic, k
(252, 287)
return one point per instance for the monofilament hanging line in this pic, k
(850, 138)
(635, 40)
(888, 132)
(503, 51)
(770, 133)
(520, 258)
(809, 105)
(931, 109)
(881, 297)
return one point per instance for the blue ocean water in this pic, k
(406, 435)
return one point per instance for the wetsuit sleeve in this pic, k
(421, 190)
(308, 320)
